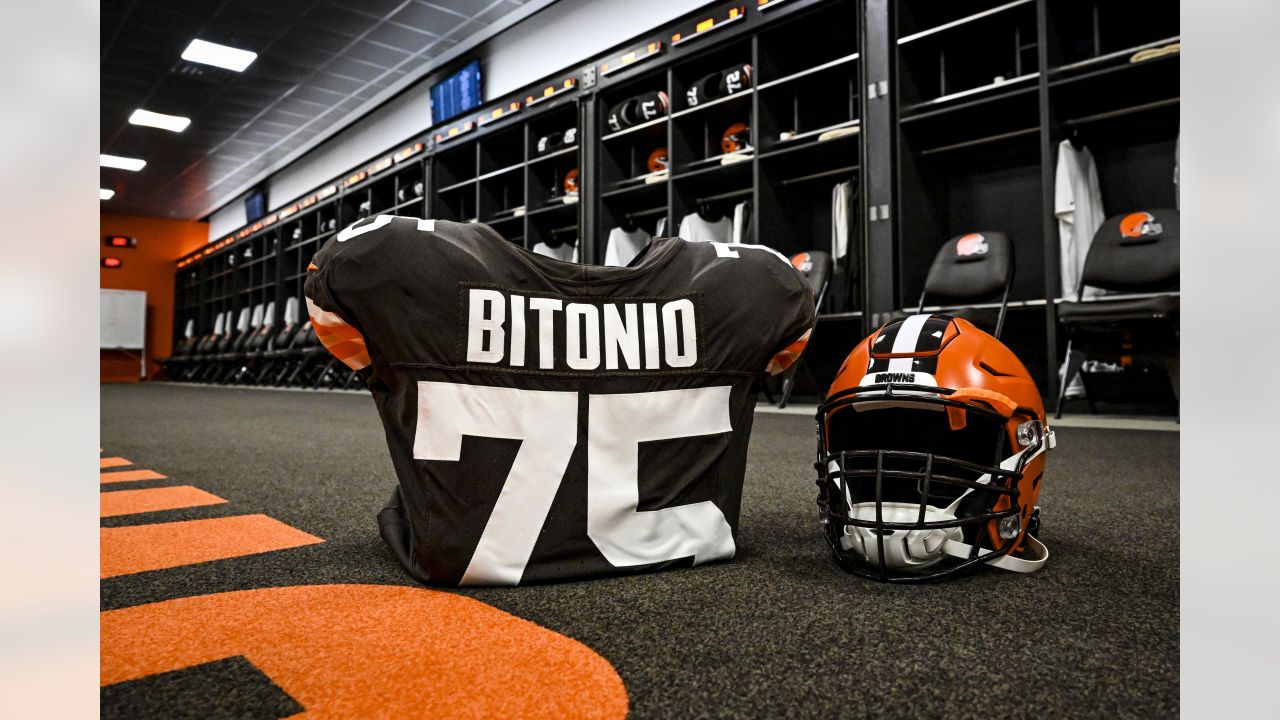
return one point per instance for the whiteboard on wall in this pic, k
(122, 319)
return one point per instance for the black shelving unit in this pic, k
(968, 134)
(945, 116)
(512, 176)
(985, 92)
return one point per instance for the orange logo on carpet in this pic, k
(354, 651)
(129, 476)
(137, 548)
(129, 502)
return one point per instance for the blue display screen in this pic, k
(255, 206)
(456, 94)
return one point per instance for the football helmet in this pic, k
(736, 137)
(657, 161)
(931, 451)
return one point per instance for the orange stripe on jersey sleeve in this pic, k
(345, 342)
(789, 354)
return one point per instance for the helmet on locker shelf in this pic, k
(736, 137)
(657, 160)
(571, 181)
(931, 447)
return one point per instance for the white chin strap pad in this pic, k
(919, 549)
(1004, 562)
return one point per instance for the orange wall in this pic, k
(148, 266)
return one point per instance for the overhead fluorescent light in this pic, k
(105, 194)
(173, 123)
(122, 163)
(218, 55)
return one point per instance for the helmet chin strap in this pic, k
(964, 551)
(1004, 562)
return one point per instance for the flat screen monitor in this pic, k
(255, 206)
(456, 94)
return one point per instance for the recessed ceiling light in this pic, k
(122, 163)
(105, 194)
(218, 55)
(173, 123)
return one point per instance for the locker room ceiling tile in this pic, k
(465, 8)
(376, 54)
(348, 21)
(495, 11)
(344, 85)
(321, 65)
(400, 37)
(356, 70)
(427, 19)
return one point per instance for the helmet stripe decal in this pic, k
(913, 334)
(933, 333)
(907, 339)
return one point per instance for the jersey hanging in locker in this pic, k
(550, 420)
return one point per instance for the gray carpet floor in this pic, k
(780, 631)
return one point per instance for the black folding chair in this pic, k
(251, 352)
(309, 352)
(816, 266)
(276, 351)
(228, 347)
(1132, 253)
(201, 357)
(969, 269)
(170, 367)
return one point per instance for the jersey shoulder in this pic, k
(390, 242)
(756, 272)
(388, 259)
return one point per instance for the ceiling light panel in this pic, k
(121, 163)
(217, 55)
(172, 123)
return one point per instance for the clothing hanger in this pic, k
(1076, 141)
(628, 223)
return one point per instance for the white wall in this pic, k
(559, 37)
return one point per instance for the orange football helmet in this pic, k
(931, 447)
(736, 137)
(657, 160)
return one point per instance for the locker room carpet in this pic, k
(778, 632)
